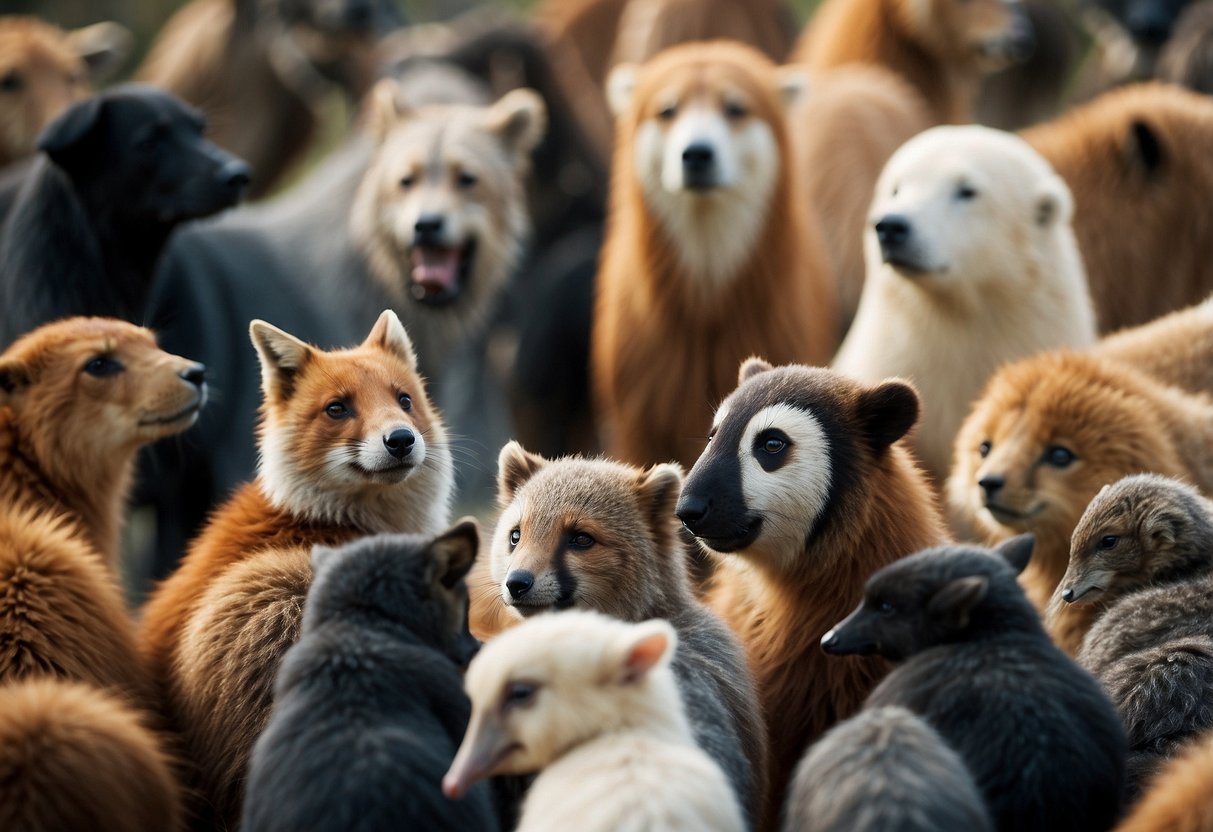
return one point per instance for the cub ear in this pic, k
(1054, 204)
(958, 598)
(515, 465)
(1160, 530)
(282, 356)
(887, 412)
(621, 83)
(519, 118)
(64, 137)
(641, 648)
(452, 554)
(751, 367)
(389, 334)
(1017, 551)
(103, 47)
(659, 487)
(792, 84)
(384, 109)
(14, 376)
(1145, 146)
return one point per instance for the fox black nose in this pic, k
(698, 157)
(692, 509)
(195, 374)
(991, 484)
(1068, 595)
(519, 583)
(399, 443)
(892, 230)
(428, 225)
(236, 175)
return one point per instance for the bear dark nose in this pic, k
(698, 158)
(236, 175)
(991, 484)
(892, 230)
(519, 583)
(692, 509)
(194, 374)
(399, 443)
(428, 227)
(1068, 595)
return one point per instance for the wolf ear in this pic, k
(389, 334)
(384, 109)
(13, 377)
(1017, 550)
(515, 465)
(61, 140)
(452, 554)
(659, 487)
(792, 84)
(1145, 148)
(887, 412)
(103, 47)
(282, 356)
(621, 83)
(519, 118)
(641, 648)
(751, 367)
(958, 598)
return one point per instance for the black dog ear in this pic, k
(63, 136)
(957, 599)
(453, 553)
(1017, 550)
(1145, 146)
(887, 412)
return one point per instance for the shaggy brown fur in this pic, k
(942, 47)
(1180, 798)
(655, 313)
(72, 757)
(1174, 349)
(1142, 146)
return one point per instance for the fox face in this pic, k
(343, 430)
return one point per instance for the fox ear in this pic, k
(282, 356)
(643, 647)
(452, 554)
(887, 412)
(792, 85)
(103, 47)
(389, 334)
(659, 487)
(1017, 550)
(751, 367)
(384, 109)
(520, 118)
(621, 83)
(958, 598)
(515, 465)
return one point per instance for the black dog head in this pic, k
(138, 154)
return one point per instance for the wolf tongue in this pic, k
(436, 269)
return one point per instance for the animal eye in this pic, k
(12, 81)
(519, 694)
(735, 110)
(1107, 542)
(773, 445)
(581, 540)
(103, 366)
(966, 192)
(1059, 457)
(406, 402)
(896, 188)
(668, 112)
(515, 536)
(466, 180)
(407, 181)
(984, 449)
(336, 409)
(886, 608)
(772, 442)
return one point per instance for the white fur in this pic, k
(1000, 284)
(790, 499)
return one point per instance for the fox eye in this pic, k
(734, 110)
(406, 402)
(581, 540)
(466, 180)
(984, 449)
(336, 409)
(102, 366)
(1108, 542)
(515, 536)
(519, 694)
(668, 112)
(1059, 457)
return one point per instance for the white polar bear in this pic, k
(971, 263)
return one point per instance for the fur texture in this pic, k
(1180, 798)
(711, 252)
(1174, 349)
(804, 490)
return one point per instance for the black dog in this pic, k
(369, 705)
(120, 171)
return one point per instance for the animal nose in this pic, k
(428, 225)
(692, 509)
(991, 484)
(829, 640)
(519, 583)
(1068, 595)
(698, 157)
(236, 175)
(892, 230)
(399, 443)
(195, 374)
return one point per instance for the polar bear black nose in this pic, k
(519, 583)
(698, 157)
(399, 443)
(892, 230)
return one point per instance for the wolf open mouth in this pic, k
(440, 274)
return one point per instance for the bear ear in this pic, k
(641, 648)
(957, 599)
(515, 465)
(887, 412)
(389, 334)
(103, 47)
(1017, 551)
(792, 84)
(1054, 204)
(385, 108)
(621, 84)
(751, 367)
(659, 488)
(452, 554)
(282, 356)
(1145, 146)
(519, 118)
(66, 136)
(14, 376)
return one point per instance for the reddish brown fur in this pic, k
(51, 75)
(1153, 259)
(1174, 349)
(74, 758)
(664, 350)
(1180, 798)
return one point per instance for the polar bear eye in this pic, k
(407, 181)
(966, 192)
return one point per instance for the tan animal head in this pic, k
(557, 681)
(442, 208)
(43, 70)
(350, 435)
(1141, 530)
(584, 533)
(989, 33)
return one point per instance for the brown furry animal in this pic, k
(1174, 349)
(1187, 56)
(805, 490)
(711, 254)
(75, 758)
(942, 47)
(1142, 146)
(350, 445)
(1180, 797)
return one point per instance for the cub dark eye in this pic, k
(581, 540)
(1108, 541)
(668, 112)
(519, 694)
(406, 402)
(1059, 457)
(12, 81)
(966, 192)
(984, 449)
(515, 536)
(886, 608)
(735, 110)
(336, 409)
(102, 366)
(466, 180)
(408, 181)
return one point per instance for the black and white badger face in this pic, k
(786, 450)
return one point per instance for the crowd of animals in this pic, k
(850, 383)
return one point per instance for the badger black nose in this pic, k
(236, 175)
(991, 484)
(195, 374)
(892, 230)
(698, 158)
(519, 583)
(1068, 595)
(692, 509)
(399, 443)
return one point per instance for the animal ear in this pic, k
(515, 465)
(659, 487)
(792, 84)
(621, 83)
(452, 554)
(643, 647)
(751, 367)
(1054, 204)
(13, 377)
(958, 598)
(389, 334)
(519, 118)
(282, 356)
(1017, 550)
(1159, 529)
(64, 136)
(103, 47)
(1145, 147)
(887, 412)
(384, 109)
